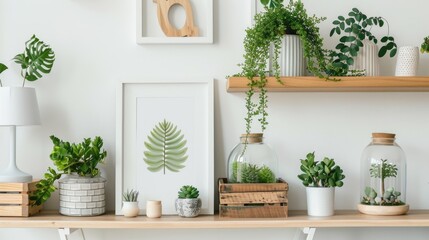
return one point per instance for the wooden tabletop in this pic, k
(49, 219)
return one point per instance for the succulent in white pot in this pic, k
(188, 204)
(130, 204)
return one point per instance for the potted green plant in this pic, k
(130, 204)
(424, 48)
(320, 180)
(79, 163)
(355, 33)
(268, 30)
(188, 204)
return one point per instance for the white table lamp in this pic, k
(18, 107)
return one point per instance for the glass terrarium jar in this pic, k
(383, 177)
(252, 161)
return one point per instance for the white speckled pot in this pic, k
(82, 196)
(188, 207)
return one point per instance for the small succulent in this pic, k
(370, 195)
(424, 48)
(266, 175)
(188, 191)
(320, 174)
(130, 196)
(250, 173)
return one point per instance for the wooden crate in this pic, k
(14, 199)
(253, 200)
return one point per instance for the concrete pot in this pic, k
(188, 207)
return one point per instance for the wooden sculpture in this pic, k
(188, 30)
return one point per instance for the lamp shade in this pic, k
(18, 106)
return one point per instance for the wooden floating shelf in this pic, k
(347, 84)
(296, 219)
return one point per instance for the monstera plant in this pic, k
(36, 60)
(166, 148)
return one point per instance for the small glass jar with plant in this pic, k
(188, 204)
(130, 207)
(320, 179)
(383, 177)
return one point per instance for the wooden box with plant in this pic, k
(188, 204)
(82, 189)
(130, 204)
(320, 179)
(253, 200)
(15, 199)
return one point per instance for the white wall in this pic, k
(95, 47)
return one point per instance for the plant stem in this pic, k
(1, 84)
(23, 82)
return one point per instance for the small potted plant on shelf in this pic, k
(188, 204)
(320, 179)
(82, 189)
(424, 48)
(130, 203)
(355, 32)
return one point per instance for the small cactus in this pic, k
(250, 173)
(266, 175)
(188, 191)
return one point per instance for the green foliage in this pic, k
(2, 69)
(81, 158)
(37, 59)
(272, 3)
(370, 195)
(165, 148)
(424, 48)
(390, 197)
(353, 30)
(251, 173)
(188, 191)
(266, 175)
(320, 174)
(383, 170)
(130, 196)
(269, 28)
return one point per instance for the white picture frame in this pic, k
(188, 103)
(149, 32)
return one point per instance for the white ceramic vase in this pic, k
(130, 209)
(291, 59)
(153, 209)
(320, 201)
(407, 62)
(367, 59)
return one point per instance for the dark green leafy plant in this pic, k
(130, 196)
(37, 59)
(188, 191)
(165, 148)
(353, 30)
(268, 31)
(424, 48)
(320, 174)
(81, 158)
(2, 69)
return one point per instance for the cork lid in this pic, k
(383, 138)
(252, 137)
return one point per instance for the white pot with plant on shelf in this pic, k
(130, 204)
(188, 204)
(320, 178)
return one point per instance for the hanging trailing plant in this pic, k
(353, 30)
(268, 30)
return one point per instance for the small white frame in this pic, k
(207, 38)
(129, 93)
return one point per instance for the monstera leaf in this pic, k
(165, 148)
(37, 59)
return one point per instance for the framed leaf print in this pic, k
(164, 141)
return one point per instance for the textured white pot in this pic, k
(367, 59)
(82, 196)
(291, 59)
(130, 209)
(188, 207)
(320, 201)
(407, 62)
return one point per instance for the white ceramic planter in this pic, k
(407, 62)
(291, 59)
(188, 207)
(82, 196)
(320, 201)
(153, 209)
(367, 59)
(130, 209)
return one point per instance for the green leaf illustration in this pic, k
(165, 148)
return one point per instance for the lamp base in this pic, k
(15, 175)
